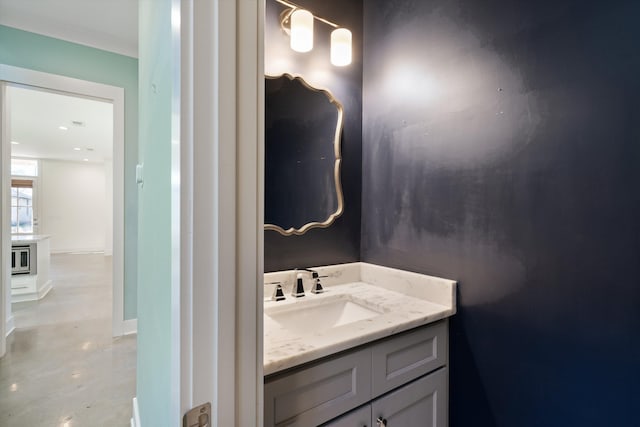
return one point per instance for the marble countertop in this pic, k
(404, 300)
(28, 238)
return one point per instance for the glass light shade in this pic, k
(301, 30)
(341, 47)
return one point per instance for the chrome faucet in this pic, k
(298, 287)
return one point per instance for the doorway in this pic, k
(12, 77)
(61, 202)
(80, 344)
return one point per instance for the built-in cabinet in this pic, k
(30, 268)
(398, 381)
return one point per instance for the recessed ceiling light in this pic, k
(15, 143)
(63, 128)
(77, 148)
(85, 160)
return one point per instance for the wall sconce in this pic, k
(298, 24)
(301, 33)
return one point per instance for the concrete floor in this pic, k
(62, 367)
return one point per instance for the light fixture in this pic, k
(63, 128)
(301, 30)
(297, 22)
(77, 148)
(15, 143)
(85, 160)
(341, 47)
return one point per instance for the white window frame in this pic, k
(38, 165)
(34, 200)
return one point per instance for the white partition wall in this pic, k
(73, 205)
(108, 212)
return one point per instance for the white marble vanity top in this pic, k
(404, 300)
(28, 238)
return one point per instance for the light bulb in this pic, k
(301, 30)
(341, 47)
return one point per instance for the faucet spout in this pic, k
(298, 288)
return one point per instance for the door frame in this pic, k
(115, 95)
(222, 229)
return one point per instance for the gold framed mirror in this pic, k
(303, 132)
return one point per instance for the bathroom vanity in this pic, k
(372, 350)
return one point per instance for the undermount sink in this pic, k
(309, 315)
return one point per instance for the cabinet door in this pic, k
(403, 358)
(360, 417)
(422, 403)
(316, 394)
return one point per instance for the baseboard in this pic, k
(77, 251)
(130, 326)
(135, 419)
(11, 325)
(44, 290)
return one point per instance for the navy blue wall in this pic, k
(340, 242)
(501, 148)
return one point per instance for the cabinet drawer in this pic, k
(422, 403)
(319, 393)
(406, 357)
(23, 284)
(360, 417)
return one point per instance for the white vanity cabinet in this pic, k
(401, 379)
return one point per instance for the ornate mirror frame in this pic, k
(337, 165)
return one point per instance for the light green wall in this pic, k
(28, 50)
(155, 363)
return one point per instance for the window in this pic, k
(21, 206)
(24, 167)
(22, 190)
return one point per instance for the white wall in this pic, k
(108, 214)
(73, 205)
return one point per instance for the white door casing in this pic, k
(221, 179)
(5, 229)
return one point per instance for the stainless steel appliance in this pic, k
(21, 260)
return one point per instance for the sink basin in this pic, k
(309, 316)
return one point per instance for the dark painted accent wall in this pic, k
(501, 148)
(340, 242)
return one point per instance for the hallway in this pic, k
(63, 368)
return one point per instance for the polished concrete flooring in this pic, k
(62, 367)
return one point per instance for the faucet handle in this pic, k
(278, 293)
(317, 286)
